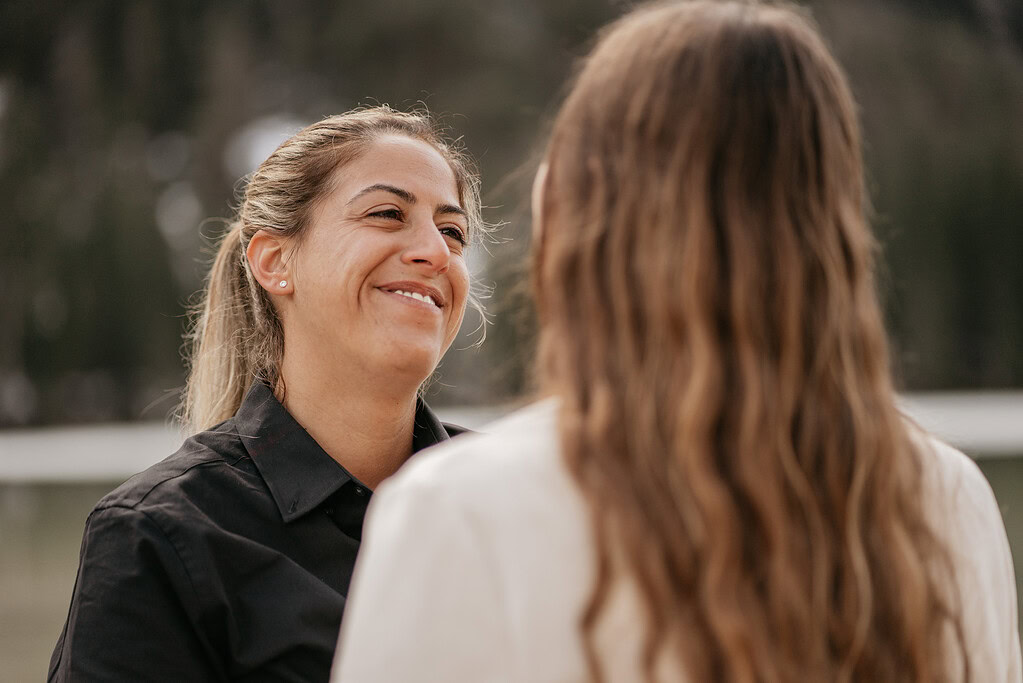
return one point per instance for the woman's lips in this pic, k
(415, 291)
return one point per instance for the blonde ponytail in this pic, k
(222, 363)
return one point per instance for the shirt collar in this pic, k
(298, 472)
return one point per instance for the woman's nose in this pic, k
(426, 248)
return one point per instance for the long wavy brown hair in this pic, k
(709, 319)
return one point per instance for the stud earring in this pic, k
(283, 283)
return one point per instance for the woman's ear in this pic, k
(539, 188)
(267, 263)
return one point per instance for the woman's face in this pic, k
(380, 279)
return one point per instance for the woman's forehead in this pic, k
(402, 162)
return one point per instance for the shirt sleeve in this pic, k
(130, 611)
(425, 604)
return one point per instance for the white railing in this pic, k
(983, 424)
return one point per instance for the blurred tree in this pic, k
(941, 101)
(124, 125)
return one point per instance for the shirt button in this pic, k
(360, 491)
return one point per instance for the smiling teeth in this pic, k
(416, 295)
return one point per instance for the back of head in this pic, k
(708, 313)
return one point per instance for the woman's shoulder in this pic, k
(960, 503)
(965, 515)
(205, 460)
(955, 484)
(510, 471)
(522, 444)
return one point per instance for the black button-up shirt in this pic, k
(229, 560)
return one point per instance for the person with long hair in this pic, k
(720, 485)
(332, 298)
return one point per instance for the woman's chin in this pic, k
(414, 362)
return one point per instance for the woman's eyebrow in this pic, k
(407, 197)
(402, 194)
(450, 208)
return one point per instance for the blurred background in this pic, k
(125, 128)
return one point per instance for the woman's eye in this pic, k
(392, 214)
(454, 233)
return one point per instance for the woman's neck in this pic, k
(363, 423)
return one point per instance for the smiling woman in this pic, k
(391, 229)
(332, 298)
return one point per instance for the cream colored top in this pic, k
(477, 559)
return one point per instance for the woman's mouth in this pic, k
(415, 291)
(415, 295)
